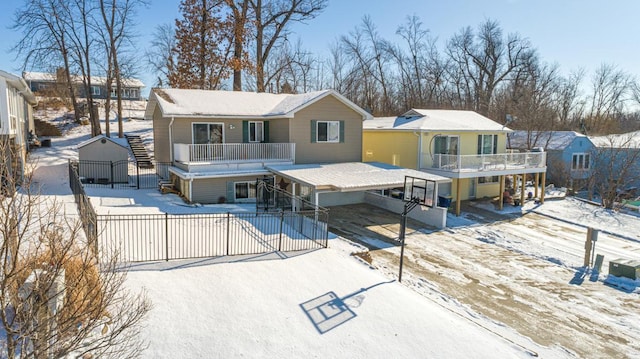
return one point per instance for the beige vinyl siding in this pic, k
(161, 148)
(182, 129)
(98, 151)
(279, 130)
(327, 109)
(209, 190)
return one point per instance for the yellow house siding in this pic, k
(398, 148)
(327, 109)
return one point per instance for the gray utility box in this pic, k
(627, 268)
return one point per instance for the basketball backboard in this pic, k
(419, 190)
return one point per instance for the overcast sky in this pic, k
(573, 33)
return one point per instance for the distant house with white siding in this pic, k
(16, 121)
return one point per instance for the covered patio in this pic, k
(357, 182)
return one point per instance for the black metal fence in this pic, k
(121, 174)
(152, 237)
(87, 213)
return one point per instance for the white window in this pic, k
(256, 131)
(114, 92)
(245, 191)
(487, 144)
(328, 131)
(580, 161)
(95, 90)
(445, 145)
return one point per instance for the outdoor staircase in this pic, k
(139, 151)
(46, 128)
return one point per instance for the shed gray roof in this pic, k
(352, 176)
(118, 141)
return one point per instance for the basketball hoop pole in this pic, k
(408, 207)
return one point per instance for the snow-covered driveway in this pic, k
(524, 271)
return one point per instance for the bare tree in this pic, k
(159, 56)
(484, 61)
(272, 19)
(611, 90)
(58, 298)
(116, 16)
(45, 40)
(615, 167)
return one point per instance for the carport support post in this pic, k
(522, 188)
(111, 174)
(458, 196)
(408, 206)
(501, 197)
(544, 179)
(536, 184)
(138, 174)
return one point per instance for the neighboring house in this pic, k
(462, 145)
(16, 121)
(569, 154)
(47, 84)
(220, 142)
(617, 162)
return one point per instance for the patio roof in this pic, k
(351, 176)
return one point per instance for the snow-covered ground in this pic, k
(329, 304)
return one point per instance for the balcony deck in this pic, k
(468, 166)
(231, 157)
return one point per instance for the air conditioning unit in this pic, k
(625, 268)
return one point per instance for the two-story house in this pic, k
(219, 142)
(569, 154)
(16, 121)
(462, 145)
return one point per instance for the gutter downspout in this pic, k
(419, 151)
(171, 140)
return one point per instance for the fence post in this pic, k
(228, 230)
(138, 174)
(281, 223)
(111, 174)
(166, 236)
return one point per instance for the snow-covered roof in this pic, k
(95, 80)
(207, 103)
(351, 176)
(549, 140)
(118, 141)
(435, 120)
(622, 140)
(21, 85)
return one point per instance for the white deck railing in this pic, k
(496, 162)
(234, 152)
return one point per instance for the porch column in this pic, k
(537, 180)
(501, 200)
(522, 189)
(458, 197)
(317, 199)
(544, 179)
